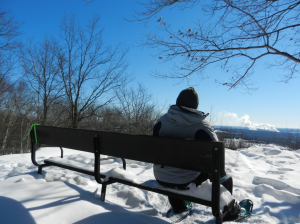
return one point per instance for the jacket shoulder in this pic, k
(205, 126)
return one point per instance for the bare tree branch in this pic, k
(39, 63)
(84, 61)
(9, 45)
(249, 30)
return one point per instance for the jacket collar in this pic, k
(188, 110)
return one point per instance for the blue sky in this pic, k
(274, 103)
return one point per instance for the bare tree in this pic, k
(9, 32)
(85, 61)
(26, 110)
(13, 106)
(9, 117)
(109, 118)
(138, 109)
(4, 84)
(58, 114)
(235, 35)
(41, 70)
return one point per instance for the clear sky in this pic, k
(274, 104)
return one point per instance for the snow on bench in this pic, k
(89, 167)
(203, 191)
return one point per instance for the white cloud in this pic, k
(245, 122)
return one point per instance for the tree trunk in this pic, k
(75, 117)
(21, 131)
(11, 120)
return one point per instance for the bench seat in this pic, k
(85, 168)
(202, 192)
(198, 194)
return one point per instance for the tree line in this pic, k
(74, 80)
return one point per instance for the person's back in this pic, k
(183, 120)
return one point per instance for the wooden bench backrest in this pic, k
(186, 154)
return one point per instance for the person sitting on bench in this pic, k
(183, 120)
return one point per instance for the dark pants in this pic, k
(178, 205)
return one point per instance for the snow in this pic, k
(203, 191)
(121, 174)
(265, 174)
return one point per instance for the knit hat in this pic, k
(188, 98)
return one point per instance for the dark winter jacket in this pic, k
(181, 122)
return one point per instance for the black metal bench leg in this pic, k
(103, 192)
(219, 220)
(124, 163)
(41, 168)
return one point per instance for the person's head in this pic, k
(188, 98)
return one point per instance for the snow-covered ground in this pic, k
(270, 177)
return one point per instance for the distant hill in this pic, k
(285, 137)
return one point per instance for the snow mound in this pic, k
(130, 197)
(204, 191)
(59, 176)
(121, 174)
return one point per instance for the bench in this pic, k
(202, 156)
